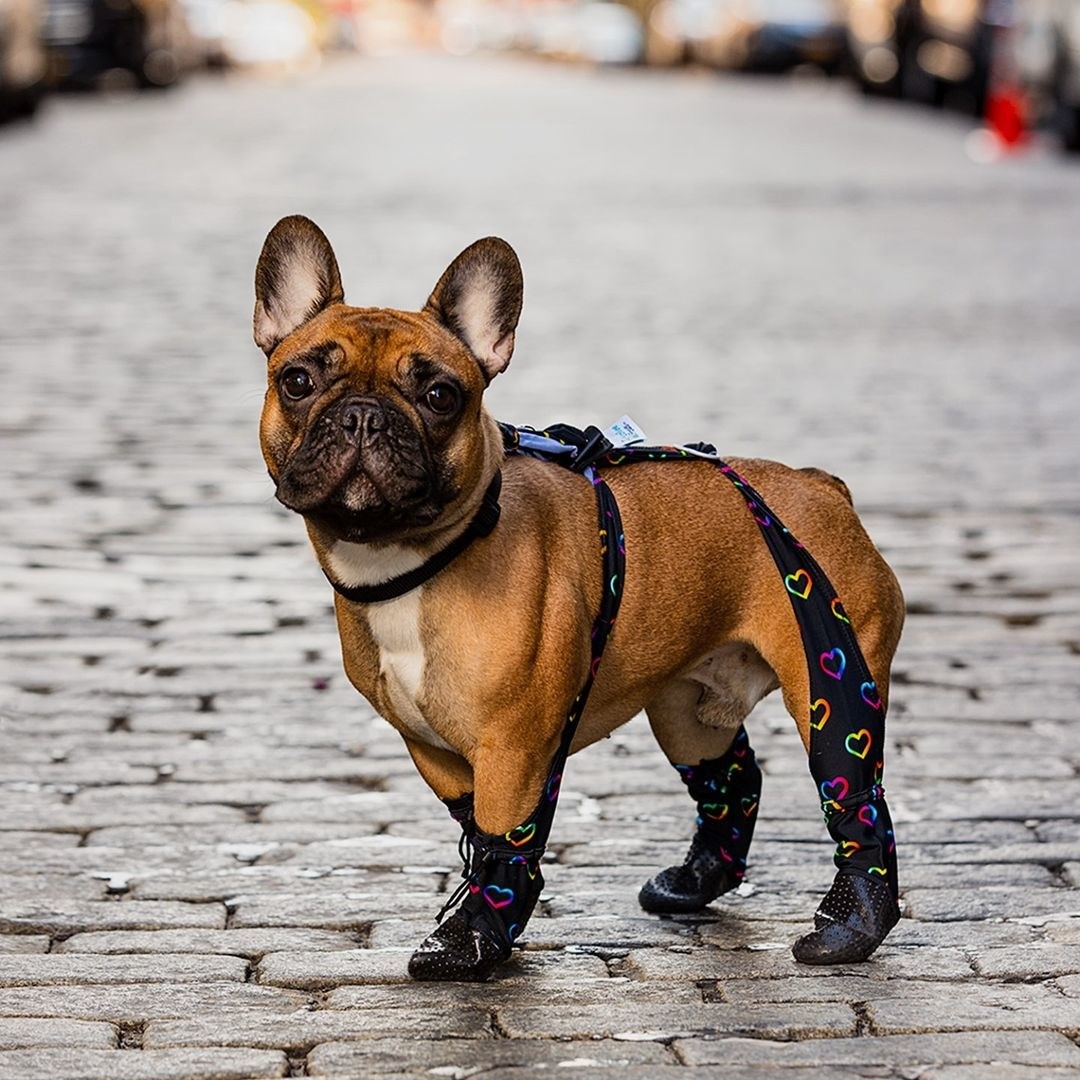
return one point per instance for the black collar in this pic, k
(484, 520)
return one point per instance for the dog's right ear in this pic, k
(296, 278)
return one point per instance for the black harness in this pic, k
(502, 877)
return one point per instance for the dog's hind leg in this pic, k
(840, 712)
(699, 727)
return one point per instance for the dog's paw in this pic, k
(457, 952)
(851, 922)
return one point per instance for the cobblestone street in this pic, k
(215, 860)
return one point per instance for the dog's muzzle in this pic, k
(361, 467)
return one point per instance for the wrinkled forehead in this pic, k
(366, 339)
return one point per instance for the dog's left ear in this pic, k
(479, 299)
(296, 278)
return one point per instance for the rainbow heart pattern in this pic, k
(522, 834)
(822, 707)
(498, 897)
(835, 790)
(799, 584)
(833, 663)
(553, 787)
(858, 743)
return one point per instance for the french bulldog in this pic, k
(374, 430)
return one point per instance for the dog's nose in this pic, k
(361, 418)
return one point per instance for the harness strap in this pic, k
(484, 521)
(532, 834)
(501, 878)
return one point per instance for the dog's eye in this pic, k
(442, 399)
(296, 384)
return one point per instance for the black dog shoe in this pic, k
(690, 887)
(850, 923)
(457, 952)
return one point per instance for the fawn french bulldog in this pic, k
(467, 582)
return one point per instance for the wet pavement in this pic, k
(215, 859)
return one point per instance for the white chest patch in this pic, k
(395, 626)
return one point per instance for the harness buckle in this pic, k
(595, 446)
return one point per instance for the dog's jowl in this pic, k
(507, 597)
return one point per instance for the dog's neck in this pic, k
(355, 565)
(365, 564)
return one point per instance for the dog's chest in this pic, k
(395, 630)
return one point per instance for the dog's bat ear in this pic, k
(479, 299)
(297, 276)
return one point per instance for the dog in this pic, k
(467, 585)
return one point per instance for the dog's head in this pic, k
(372, 427)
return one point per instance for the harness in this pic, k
(501, 880)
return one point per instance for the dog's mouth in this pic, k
(359, 512)
(362, 473)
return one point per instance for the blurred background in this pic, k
(1014, 62)
(841, 235)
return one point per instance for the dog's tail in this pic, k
(831, 481)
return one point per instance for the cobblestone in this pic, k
(63, 970)
(990, 1008)
(298, 1030)
(249, 943)
(61, 916)
(1038, 961)
(893, 1051)
(461, 1056)
(29, 1034)
(189, 787)
(135, 1003)
(802, 1021)
(203, 1064)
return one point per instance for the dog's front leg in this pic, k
(505, 827)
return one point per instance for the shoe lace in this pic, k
(473, 860)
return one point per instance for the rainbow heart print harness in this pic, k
(501, 879)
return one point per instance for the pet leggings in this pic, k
(502, 880)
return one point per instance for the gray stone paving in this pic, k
(214, 859)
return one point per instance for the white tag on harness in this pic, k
(624, 432)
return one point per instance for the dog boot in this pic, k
(457, 951)
(726, 790)
(850, 923)
(500, 888)
(702, 877)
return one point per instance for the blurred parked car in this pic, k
(936, 51)
(206, 22)
(595, 31)
(270, 33)
(1046, 53)
(469, 26)
(147, 40)
(610, 33)
(22, 57)
(758, 35)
